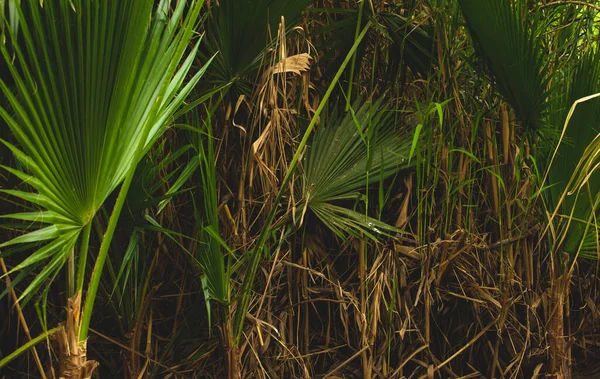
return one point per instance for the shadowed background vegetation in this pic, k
(299, 189)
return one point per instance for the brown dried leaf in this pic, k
(295, 63)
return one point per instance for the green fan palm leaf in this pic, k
(348, 153)
(513, 53)
(91, 94)
(579, 137)
(512, 49)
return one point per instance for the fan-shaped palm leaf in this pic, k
(91, 93)
(348, 153)
(513, 54)
(578, 142)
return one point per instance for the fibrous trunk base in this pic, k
(73, 355)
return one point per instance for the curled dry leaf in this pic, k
(295, 63)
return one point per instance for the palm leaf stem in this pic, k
(90, 297)
(83, 252)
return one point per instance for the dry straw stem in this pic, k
(22, 320)
(128, 348)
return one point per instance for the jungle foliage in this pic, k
(293, 188)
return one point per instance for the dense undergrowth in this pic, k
(287, 188)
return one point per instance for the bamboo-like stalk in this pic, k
(305, 300)
(558, 344)
(231, 349)
(490, 155)
(505, 133)
(363, 308)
